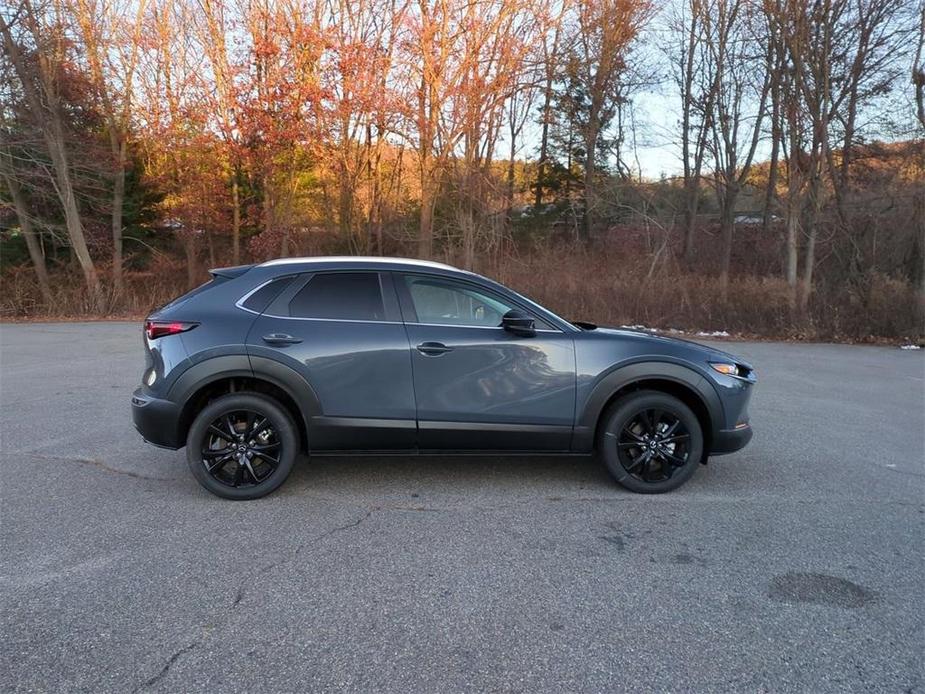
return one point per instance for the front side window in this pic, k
(340, 295)
(450, 303)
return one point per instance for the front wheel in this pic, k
(651, 442)
(242, 446)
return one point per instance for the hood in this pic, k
(646, 337)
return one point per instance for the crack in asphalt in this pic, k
(93, 462)
(241, 591)
(166, 668)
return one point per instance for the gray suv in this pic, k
(375, 354)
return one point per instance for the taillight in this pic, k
(157, 328)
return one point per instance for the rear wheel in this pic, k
(651, 442)
(242, 446)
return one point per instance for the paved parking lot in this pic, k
(796, 564)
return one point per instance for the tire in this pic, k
(637, 458)
(248, 472)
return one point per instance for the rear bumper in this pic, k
(730, 440)
(158, 421)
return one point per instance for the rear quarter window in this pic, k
(260, 299)
(180, 300)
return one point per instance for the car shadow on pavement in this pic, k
(456, 474)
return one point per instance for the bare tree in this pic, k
(496, 37)
(918, 69)
(213, 31)
(918, 82)
(736, 108)
(24, 217)
(40, 76)
(110, 46)
(837, 56)
(689, 57)
(606, 30)
(551, 51)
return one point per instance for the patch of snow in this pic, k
(715, 333)
(911, 347)
(639, 327)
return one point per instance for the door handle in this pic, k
(433, 349)
(281, 339)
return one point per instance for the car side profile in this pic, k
(319, 355)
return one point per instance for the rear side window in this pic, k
(344, 295)
(259, 300)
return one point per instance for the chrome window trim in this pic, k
(240, 304)
(478, 327)
(334, 320)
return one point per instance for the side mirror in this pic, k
(518, 323)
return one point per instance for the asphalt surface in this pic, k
(796, 564)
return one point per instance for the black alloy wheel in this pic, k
(242, 446)
(653, 445)
(650, 441)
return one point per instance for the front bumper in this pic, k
(158, 421)
(730, 440)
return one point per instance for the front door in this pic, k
(342, 332)
(478, 386)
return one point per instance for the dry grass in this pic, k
(603, 288)
(594, 285)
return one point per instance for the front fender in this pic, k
(620, 377)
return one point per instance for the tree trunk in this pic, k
(812, 225)
(426, 231)
(210, 242)
(345, 207)
(509, 207)
(809, 261)
(75, 231)
(921, 238)
(793, 235)
(588, 183)
(770, 191)
(794, 212)
(118, 200)
(235, 221)
(189, 248)
(544, 145)
(691, 195)
(727, 228)
(32, 242)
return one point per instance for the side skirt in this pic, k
(462, 453)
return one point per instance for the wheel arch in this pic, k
(674, 379)
(222, 375)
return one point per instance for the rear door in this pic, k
(342, 332)
(478, 386)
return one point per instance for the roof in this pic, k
(359, 261)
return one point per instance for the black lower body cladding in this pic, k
(156, 420)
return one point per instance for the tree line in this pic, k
(132, 130)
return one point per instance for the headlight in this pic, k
(724, 368)
(733, 369)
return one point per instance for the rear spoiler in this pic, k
(230, 272)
